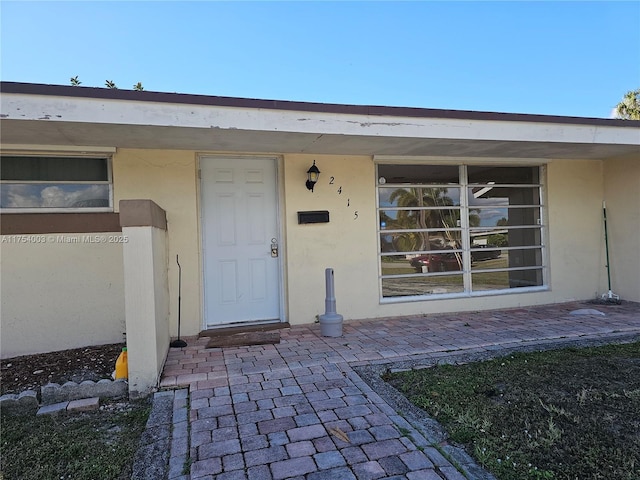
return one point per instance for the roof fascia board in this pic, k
(121, 112)
(220, 101)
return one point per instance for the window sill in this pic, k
(453, 296)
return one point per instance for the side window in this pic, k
(55, 183)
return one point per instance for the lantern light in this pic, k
(312, 176)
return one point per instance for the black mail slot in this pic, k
(316, 216)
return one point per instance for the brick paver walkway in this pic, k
(275, 412)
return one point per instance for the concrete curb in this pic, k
(163, 447)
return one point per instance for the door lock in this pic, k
(274, 248)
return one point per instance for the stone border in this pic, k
(105, 388)
(24, 401)
(53, 393)
(429, 427)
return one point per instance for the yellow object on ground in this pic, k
(122, 365)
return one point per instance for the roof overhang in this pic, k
(67, 116)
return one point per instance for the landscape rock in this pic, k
(28, 400)
(8, 401)
(24, 402)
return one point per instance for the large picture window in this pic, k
(54, 183)
(459, 230)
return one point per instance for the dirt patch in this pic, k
(30, 372)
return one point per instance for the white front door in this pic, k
(240, 224)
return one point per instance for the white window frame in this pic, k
(462, 164)
(105, 154)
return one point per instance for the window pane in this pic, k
(508, 217)
(438, 262)
(419, 219)
(48, 195)
(427, 263)
(529, 257)
(419, 241)
(419, 197)
(484, 259)
(506, 196)
(54, 169)
(400, 287)
(429, 174)
(485, 256)
(505, 280)
(505, 237)
(397, 265)
(503, 175)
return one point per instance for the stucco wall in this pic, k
(161, 289)
(62, 293)
(622, 194)
(169, 178)
(147, 304)
(574, 193)
(347, 243)
(576, 242)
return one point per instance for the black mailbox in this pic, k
(315, 216)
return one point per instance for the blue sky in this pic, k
(559, 58)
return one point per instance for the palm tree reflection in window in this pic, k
(421, 211)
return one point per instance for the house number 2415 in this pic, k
(332, 182)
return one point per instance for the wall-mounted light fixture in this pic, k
(312, 176)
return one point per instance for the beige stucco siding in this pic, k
(573, 193)
(347, 243)
(78, 286)
(66, 291)
(622, 194)
(147, 306)
(576, 235)
(169, 178)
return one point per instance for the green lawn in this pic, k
(79, 446)
(565, 414)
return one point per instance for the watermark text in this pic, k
(66, 239)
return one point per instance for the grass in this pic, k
(79, 446)
(564, 414)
